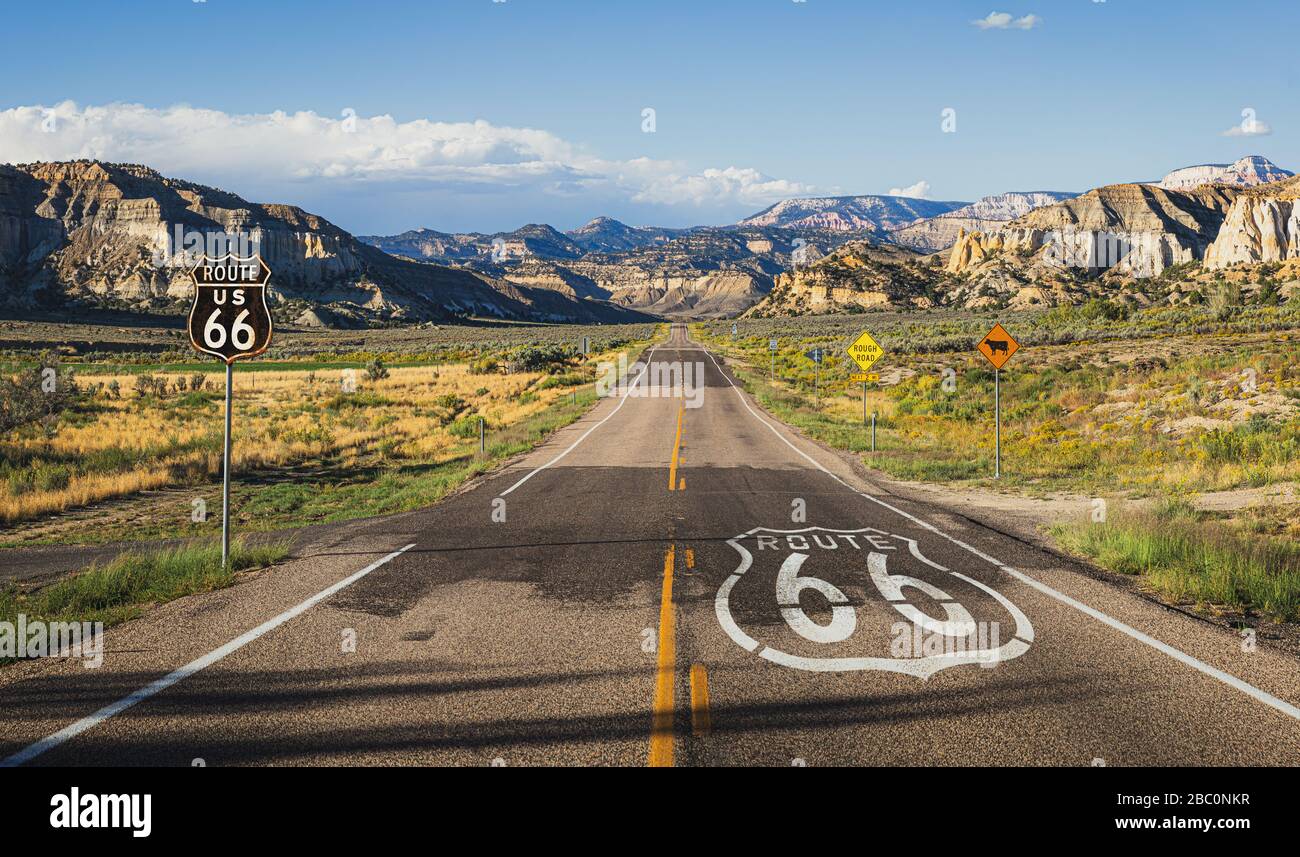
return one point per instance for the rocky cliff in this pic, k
(120, 234)
(1262, 226)
(860, 275)
(1132, 228)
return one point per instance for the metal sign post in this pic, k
(230, 320)
(815, 355)
(225, 470)
(772, 346)
(997, 423)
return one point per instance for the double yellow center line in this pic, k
(677, 452)
(663, 712)
(661, 728)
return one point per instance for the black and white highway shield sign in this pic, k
(230, 318)
(827, 600)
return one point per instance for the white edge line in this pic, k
(93, 720)
(1250, 690)
(622, 402)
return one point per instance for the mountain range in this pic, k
(90, 234)
(97, 234)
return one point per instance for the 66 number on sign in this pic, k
(241, 334)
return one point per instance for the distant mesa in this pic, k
(1250, 171)
(877, 214)
(940, 233)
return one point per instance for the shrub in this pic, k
(465, 427)
(27, 398)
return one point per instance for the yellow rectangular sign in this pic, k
(867, 378)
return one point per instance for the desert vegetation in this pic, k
(318, 437)
(1105, 401)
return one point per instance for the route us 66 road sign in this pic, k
(230, 318)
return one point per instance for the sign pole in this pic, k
(997, 421)
(864, 402)
(230, 320)
(225, 479)
(873, 432)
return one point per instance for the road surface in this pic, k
(665, 584)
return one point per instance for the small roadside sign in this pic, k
(815, 355)
(865, 351)
(231, 321)
(772, 345)
(864, 377)
(998, 346)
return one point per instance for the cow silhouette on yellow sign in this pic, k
(999, 346)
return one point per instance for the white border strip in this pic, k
(93, 720)
(1250, 690)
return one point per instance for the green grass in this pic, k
(1188, 557)
(119, 590)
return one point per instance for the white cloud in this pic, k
(1254, 128)
(1005, 21)
(246, 151)
(920, 190)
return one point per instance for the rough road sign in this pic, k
(865, 351)
(230, 318)
(999, 346)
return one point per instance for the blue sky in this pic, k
(753, 100)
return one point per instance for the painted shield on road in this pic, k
(826, 600)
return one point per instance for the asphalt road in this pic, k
(677, 579)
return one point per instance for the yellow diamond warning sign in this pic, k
(865, 351)
(998, 346)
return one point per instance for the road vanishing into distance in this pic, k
(665, 584)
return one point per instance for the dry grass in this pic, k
(283, 419)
